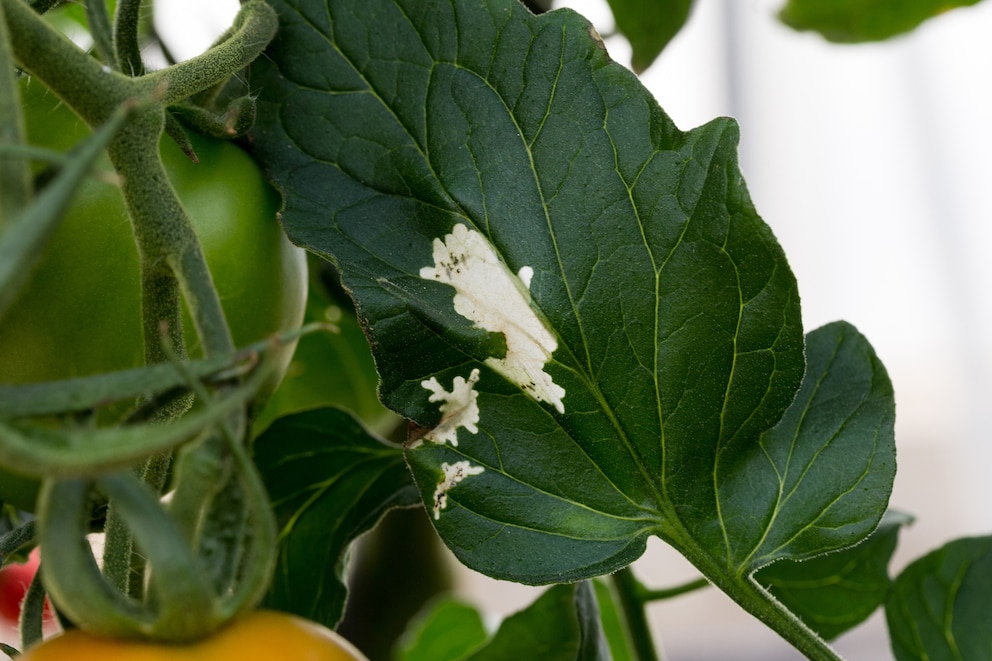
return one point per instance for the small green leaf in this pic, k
(329, 481)
(649, 25)
(562, 625)
(838, 591)
(819, 480)
(851, 21)
(940, 607)
(448, 631)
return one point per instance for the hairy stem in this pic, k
(169, 249)
(678, 590)
(15, 175)
(758, 602)
(630, 592)
(254, 27)
(126, 49)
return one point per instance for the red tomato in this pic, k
(14, 581)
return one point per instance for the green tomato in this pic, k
(80, 312)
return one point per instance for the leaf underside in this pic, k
(577, 293)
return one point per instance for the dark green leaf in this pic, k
(674, 313)
(649, 25)
(562, 625)
(441, 153)
(850, 21)
(448, 631)
(818, 480)
(940, 608)
(835, 592)
(329, 481)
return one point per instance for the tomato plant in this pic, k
(594, 336)
(257, 635)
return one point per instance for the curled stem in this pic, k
(72, 576)
(89, 392)
(241, 499)
(259, 562)
(254, 27)
(64, 453)
(181, 603)
(182, 594)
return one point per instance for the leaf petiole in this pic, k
(676, 591)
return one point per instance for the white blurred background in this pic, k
(871, 164)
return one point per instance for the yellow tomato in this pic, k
(257, 636)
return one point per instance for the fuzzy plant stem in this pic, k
(632, 603)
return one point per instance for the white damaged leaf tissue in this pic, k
(489, 295)
(496, 300)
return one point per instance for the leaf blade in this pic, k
(855, 21)
(526, 126)
(649, 25)
(329, 481)
(939, 606)
(833, 455)
(836, 592)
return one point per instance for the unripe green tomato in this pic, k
(79, 314)
(256, 636)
